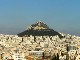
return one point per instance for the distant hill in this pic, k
(39, 29)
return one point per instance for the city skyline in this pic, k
(62, 16)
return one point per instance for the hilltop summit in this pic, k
(38, 26)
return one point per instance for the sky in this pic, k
(60, 15)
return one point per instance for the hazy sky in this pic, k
(61, 15)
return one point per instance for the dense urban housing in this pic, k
(39, 42)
